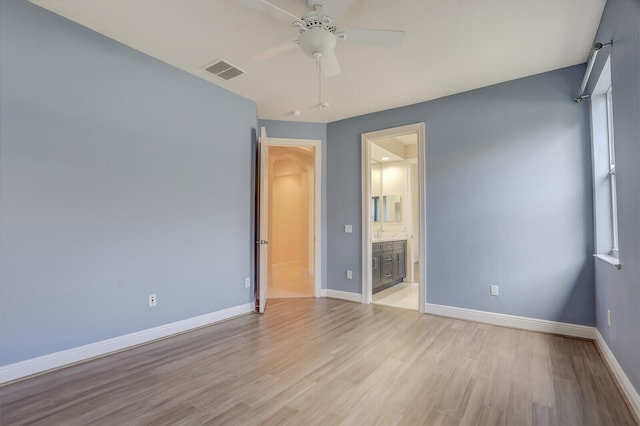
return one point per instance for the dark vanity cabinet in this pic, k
(399, 260)
(388, 264)
(376, 265)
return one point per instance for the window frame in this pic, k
(604, 171)
(615, 250)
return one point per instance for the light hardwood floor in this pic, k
(328, 362)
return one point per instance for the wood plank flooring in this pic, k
(330, 362)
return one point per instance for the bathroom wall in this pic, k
(376, 179)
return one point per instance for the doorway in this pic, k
(291, 267)
(394, 217)
(292, 208)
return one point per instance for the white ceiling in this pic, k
(381, 155)
(450, 46)
(396, 148)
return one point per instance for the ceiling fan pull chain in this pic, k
(318, 55)
(319, 85)
(321, 105)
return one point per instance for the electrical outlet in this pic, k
(349, 274)
(609, 317)
(494, 290)
(247, 282)
(153, 301)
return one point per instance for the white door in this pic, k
(263, 222)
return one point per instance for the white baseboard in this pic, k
(55, 360)
(523, 323)
(344, 295)
(631, 394)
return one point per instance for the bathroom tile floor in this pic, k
(403, 295)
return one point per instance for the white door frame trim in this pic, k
(367, 138)
(317, 189)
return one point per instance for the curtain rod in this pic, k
(593, 53)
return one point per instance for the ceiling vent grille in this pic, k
(224, 69)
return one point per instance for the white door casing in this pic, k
(367, 238)
(264, 143)
(263, 237)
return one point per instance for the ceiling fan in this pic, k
(318, 33)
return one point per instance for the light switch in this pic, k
(348, 229)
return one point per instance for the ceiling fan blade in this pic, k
(272, 10)
(329, 64)
(336, 8)
(275, 51)
(388, 38)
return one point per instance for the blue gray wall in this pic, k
(316, 131)
(115, 174)
(508, 198)
(619, 290)
(120, 177)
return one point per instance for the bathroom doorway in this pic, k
(293, 218)
(393, 221)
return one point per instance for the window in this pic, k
(604, 169)
(612, 176)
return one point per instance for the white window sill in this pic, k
(611, 260)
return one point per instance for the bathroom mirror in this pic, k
(375, 209)
(392, 208)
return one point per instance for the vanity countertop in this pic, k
(389, 236)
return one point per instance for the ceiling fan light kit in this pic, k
(317, 40)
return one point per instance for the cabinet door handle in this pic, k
(387, 275)
(375, 263)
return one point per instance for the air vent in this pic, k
(224, 69)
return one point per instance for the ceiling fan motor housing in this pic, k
(316, 19)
